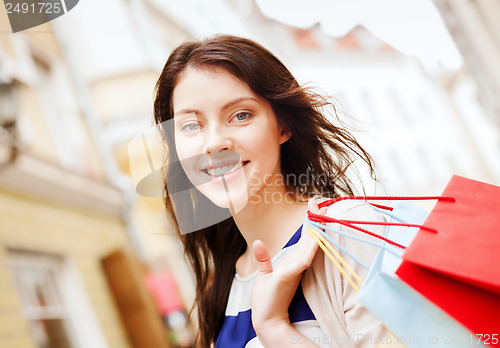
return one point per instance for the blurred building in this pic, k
(85, 83)
(403, 116)
(420, 127)
(475, 28)
(475, 88)
(118, 66)
(67, 246)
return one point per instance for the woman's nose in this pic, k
(216, 140)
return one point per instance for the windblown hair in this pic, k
(317, 148)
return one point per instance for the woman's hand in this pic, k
(274, 289)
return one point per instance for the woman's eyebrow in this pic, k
(226, 106)
(238, 100)
(186, 111)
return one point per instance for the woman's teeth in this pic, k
(224, 170)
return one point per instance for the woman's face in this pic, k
(227, 137)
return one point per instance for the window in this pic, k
(370, 107)
(400, 108)
(66, 129)
(36, 277)
(54, 301)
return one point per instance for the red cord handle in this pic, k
(387, 198)
(322, 218)
(351, 223)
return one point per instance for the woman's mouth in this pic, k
(221, 171)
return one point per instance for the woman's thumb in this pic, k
(263, 258)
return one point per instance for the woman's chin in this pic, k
(235, 201)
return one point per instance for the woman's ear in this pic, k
(284, 135)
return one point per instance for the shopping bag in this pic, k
(411, 317)
(378, 342)
(458, 268)
(415, 320)
(326, 244)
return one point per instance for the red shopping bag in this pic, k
(458, 268)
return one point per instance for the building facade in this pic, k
(476, 31)
(63, 217)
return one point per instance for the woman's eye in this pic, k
(242, 116)
(191, 127)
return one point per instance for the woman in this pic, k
(254, 143)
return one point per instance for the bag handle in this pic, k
(352, 223)
(386, 198)
(338, 261)
(319, 227)
(325, 242)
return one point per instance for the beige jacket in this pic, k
(334, 302)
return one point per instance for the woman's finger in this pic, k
(313, 205)
(307, 242)
(264, 264)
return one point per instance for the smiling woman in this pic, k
(243, 131)
(226, 118)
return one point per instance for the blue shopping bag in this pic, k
(411, 317)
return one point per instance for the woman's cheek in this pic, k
(187, 157)
(188, 147)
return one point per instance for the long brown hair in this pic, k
(317, 148)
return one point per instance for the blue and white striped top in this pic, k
(237, 330)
